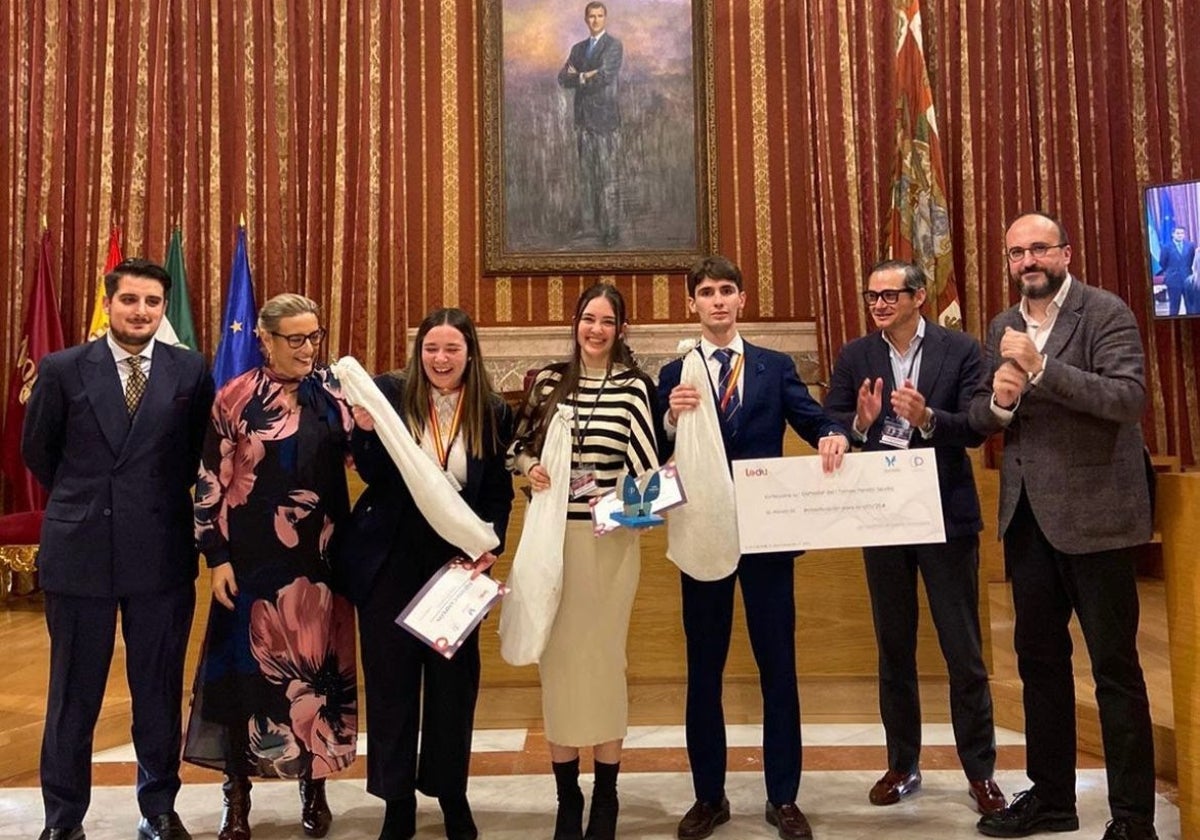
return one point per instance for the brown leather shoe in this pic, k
(894, 786)
(702, 819)
(315, 816)
(987, 796)
(790, 821)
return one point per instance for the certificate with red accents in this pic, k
(450, 605)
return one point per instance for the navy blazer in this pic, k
(119, 517)
(386, 518)
(951, 370)
(596, 101)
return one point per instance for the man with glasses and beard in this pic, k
(1067, 389)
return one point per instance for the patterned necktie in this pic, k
(136, 387)
(725, 356)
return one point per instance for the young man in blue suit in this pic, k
(769, 396)
(113, 430)
(908, 386)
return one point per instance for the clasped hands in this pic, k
(1022, 362)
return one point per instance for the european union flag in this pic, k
(238, 349)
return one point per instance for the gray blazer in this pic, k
(1075, 442)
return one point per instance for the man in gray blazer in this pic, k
(113, 430)
(1066, 386)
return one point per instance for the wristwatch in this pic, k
(930, 423)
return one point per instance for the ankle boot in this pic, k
(456, 812)
(602, 820)
(568, 825)
(399, 819)
(235, 810)
(315, 816)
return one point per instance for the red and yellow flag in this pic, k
(99, 325)
(919, 221)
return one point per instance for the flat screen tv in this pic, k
(1172, 234)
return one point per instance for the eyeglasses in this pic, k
(890, 296)
(297, 340)
(1037, 249)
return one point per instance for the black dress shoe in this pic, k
(166, 826)
(1123, 828)
(702, 819)
(456, 814)
(1027, 815)
(790, 821)
(75, 832)
(399, 819)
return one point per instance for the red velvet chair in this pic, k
(19, 536)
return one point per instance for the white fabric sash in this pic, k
(702, 538)
(535, 580)
(439, 503)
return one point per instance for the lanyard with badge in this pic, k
(442, 446)
(897, 431)
(583, 477)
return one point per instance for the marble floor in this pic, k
(513, 797)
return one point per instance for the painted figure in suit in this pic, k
(925, 376)
(113, 430)
(764, 388)
(1177, 258)
(391, 551)
(592, 71)
(1067, 388)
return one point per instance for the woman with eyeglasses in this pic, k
(584, 696)
(276, 688)
(445, 401)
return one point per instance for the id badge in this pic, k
(583, 483)
(896, 433)
(454, 482)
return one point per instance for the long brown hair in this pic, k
(539, 413)
(478, 426)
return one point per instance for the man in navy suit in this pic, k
(770, 397)
(909, 386)
(1176, 258)
(592, 71)
(113, 430)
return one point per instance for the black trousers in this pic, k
(1101, 588)
(950, 572)
(155, 629)
(412, 688)
(767, 594)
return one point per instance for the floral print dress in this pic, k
(276, 688)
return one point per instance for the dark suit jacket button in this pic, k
(108, 511)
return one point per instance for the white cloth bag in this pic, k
(702, 537)
(439, 503)
(535, 580)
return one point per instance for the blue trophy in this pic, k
(636, 512)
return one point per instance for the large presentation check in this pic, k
(876, 498)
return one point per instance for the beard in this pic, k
(1054, 281)
(127, 339)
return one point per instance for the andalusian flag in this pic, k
(179, 309)
(919, 222)
(99, 325)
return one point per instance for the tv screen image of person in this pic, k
(1172, 231)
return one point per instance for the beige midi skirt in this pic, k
(584, 696)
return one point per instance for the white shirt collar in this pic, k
(737, 346)
(917, 338)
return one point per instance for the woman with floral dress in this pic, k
(276, 689)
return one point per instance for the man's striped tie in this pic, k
(733, 403)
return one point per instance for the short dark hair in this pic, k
(914, 275)
(595, 5)
(713, 267)
(136, 267)
(1179, 227)
(1063, 239)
